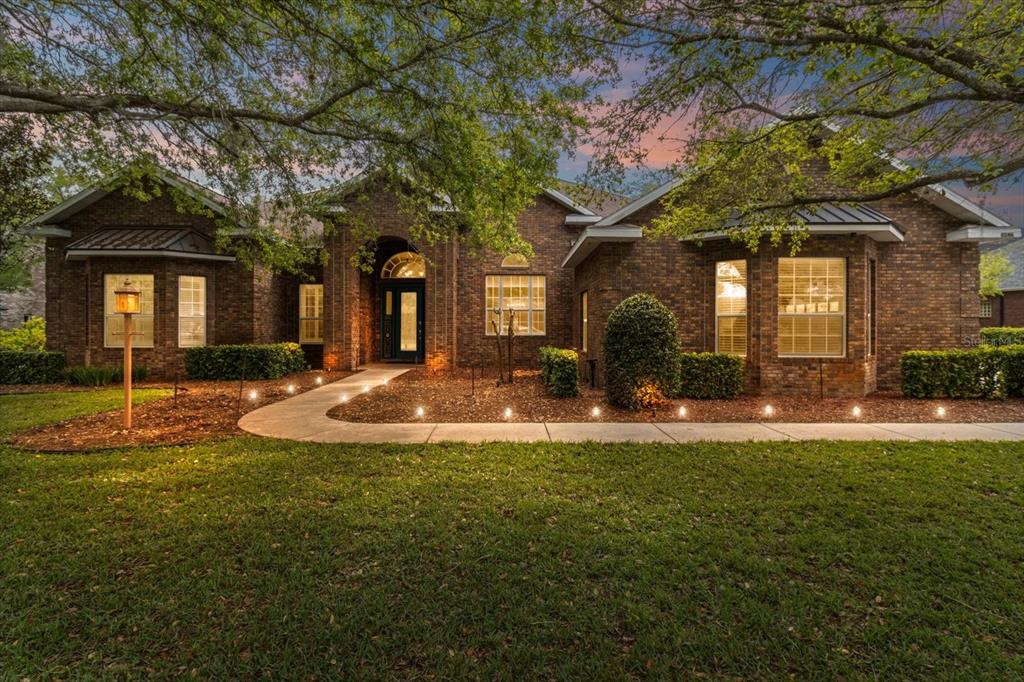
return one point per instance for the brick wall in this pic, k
(926, 298)
(543, 225)
(74, 289)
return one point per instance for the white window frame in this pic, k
(529, 310)
(986, 304)
(584, 319)
(746, 306)
(842, 313)
(302, 318)
(202, 316)
(115, 280)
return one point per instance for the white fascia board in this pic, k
(79, 254)
(592, 237)
(879, 232)
(576, 219)
(567, 202)
(69, 206)
(644, 201)
(50, 231)
(982, 233)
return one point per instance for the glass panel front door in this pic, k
(401, 334)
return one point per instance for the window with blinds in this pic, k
(812, 307)
(191, 311)
(731, 307)
(525, 294)
(311, 313)
(142, 322)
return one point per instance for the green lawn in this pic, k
(250, 556)
(31, 409)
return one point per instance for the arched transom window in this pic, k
(515, 260)
(404, 265)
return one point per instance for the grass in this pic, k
(249, 556)
(23, 411)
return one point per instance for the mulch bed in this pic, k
(202, 410)
(457, 397)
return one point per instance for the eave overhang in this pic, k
(879, 232)
(982, 233)
(593, 236)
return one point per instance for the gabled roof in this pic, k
(44, 223)
(167, 242)
(940, 196)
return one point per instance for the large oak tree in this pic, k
(461, 101)
(753, 93)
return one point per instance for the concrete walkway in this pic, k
(304, 417)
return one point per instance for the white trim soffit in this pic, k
(879, 232)
(577, 219)
(982, 233)
(594, 236)
(565, 201)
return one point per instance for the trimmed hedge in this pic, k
(560, 371)
(25, 367)
(101, 376)
(1002, 336)
(249, 361)
(710, 376)
(985, 372)
(641, 353)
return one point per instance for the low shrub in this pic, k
(560, 371)
(710, 376)
(641, 352)
(1002, 336)
(29, 367)
(249, 361)
(101, 376)
(30, 337)
(984, 372)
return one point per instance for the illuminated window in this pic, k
(191, 311)
(404, 265)
(311, 313)
(584, 320)
(812, 307)
(986, 307)
(515, 260)
(731, 307)
(525, 294)
(142, 323)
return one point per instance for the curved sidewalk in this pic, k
(304, 417)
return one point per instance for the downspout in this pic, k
(88, 326)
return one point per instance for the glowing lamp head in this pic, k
(769, 410)
(857, 412)
(682, 411)
(940, 412)
(127, 299)
(508, 413)
(344, 397)
(420, 411)
(291, 388)
(319, 380)
(595, 411)
(253, 395)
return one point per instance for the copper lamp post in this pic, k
(127, 302)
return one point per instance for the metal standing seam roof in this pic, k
(157, 241)
(842, 214)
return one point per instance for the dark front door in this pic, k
(401, 315)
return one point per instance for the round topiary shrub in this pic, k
(641, 352)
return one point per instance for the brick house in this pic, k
(869, 283)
